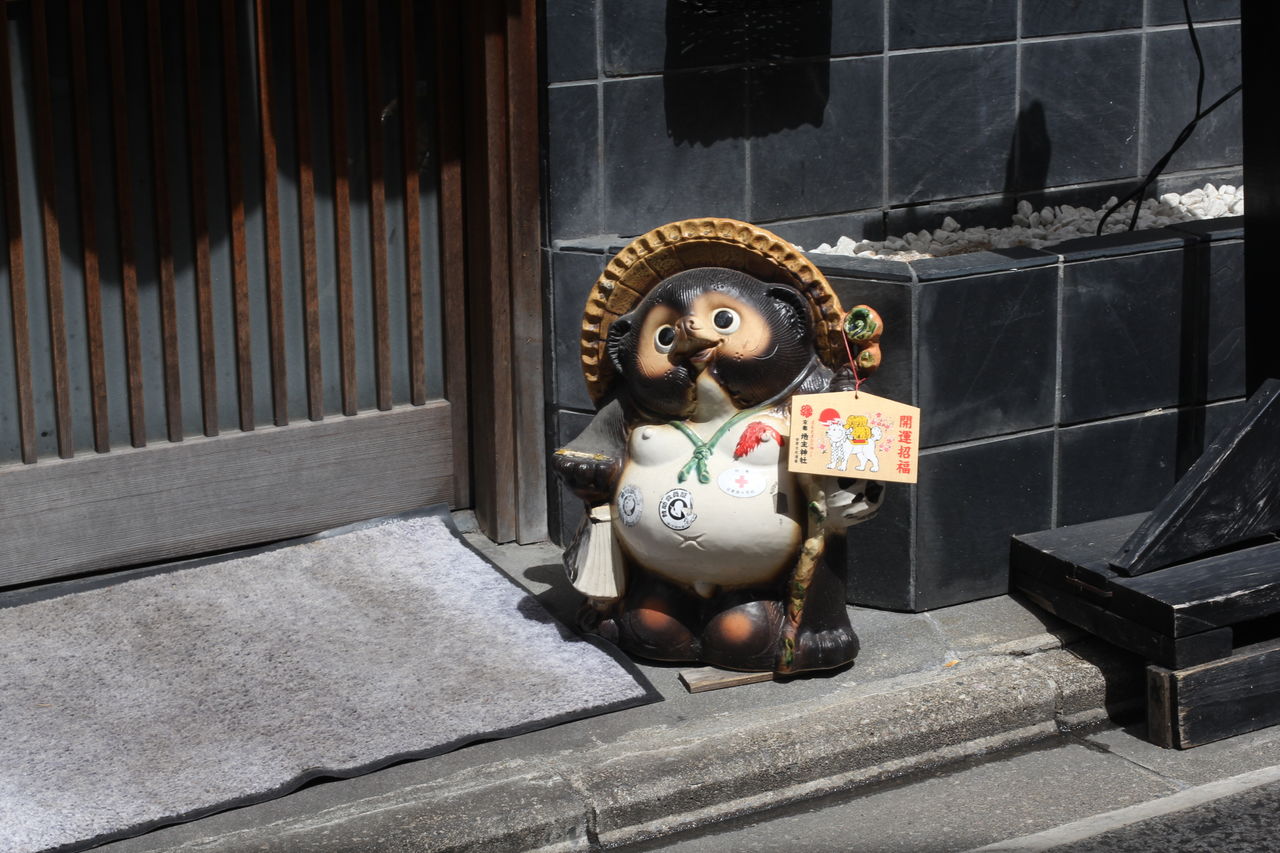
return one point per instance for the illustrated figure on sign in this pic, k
(838, 437)
(699, 544)
(863, 436)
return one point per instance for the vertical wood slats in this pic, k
(271, 203)
(449, 76)
(200, 222)
(17, 263)
(377, 206)
(164, 232)
(124, 215)
(307, 211)
(226, 45)
(235, 212)
(52, 234)
(88, 234)
(412, 223)
(342, 209)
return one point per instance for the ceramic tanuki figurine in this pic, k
(699, 544)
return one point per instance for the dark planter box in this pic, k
(1057, 386)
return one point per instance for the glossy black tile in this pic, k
(652, 178)
(1078, 110)
(1122, 335)
(951, 122)
(572, 276)
(822, 154)
(970, 501)
(571, 40)
(1056, 17)
(1116, 467)
(988, 346)
(634, 37)
(857, 27)
(573, 161)
(933, 23)
(1171, 72)
(1160, 12)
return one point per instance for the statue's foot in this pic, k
(650, 629)
(743, 637)
(828, 648)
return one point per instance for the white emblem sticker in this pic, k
(676, 509)
(630, 506)
(743, 482)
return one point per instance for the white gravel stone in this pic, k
(1047, 226)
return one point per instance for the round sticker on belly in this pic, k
(743, 482)
(630, 506)
(676, 509)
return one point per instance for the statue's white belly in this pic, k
(738, 529)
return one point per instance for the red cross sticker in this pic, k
(742, 481)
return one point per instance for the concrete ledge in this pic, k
(656, 780)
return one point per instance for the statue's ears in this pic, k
(792, 298)
(618, 329)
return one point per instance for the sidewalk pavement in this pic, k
(926, 691)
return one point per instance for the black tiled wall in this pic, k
(822, 118)
(787, 112)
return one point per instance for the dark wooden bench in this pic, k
(1193, 586)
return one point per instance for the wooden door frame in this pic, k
(496, 70)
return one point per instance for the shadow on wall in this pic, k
(738, 69)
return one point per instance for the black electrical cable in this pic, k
(1181, 138)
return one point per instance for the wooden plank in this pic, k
(171, 500)
(88, 230)
(342, 209)
(52, 240)
(488, 271)
(1173, 652)
(449, 147)
(307, 210)
(200, 221)
(1200, 704)
(1230, 495)
(271, 211)
(124, 228)
(235, 211)
(1218, 591)
(526, 272)
(412, 215)
(377, 206)
(712, 678)
(1076, 554)
(164, 229)
(19, 315)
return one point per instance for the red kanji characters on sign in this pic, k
(904, 467)
(904, 421)
(904, 436)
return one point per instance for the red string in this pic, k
(857, 382)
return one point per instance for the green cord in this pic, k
(702, 450)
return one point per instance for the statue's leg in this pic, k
(744, 633)
(654, 620)
(825, 638)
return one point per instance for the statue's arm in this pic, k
(591, 463)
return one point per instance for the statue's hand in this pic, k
(590, 476)
(853, 504)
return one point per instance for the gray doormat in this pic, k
(132, 704)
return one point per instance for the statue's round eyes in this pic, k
(664, 339)
(726, 320)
